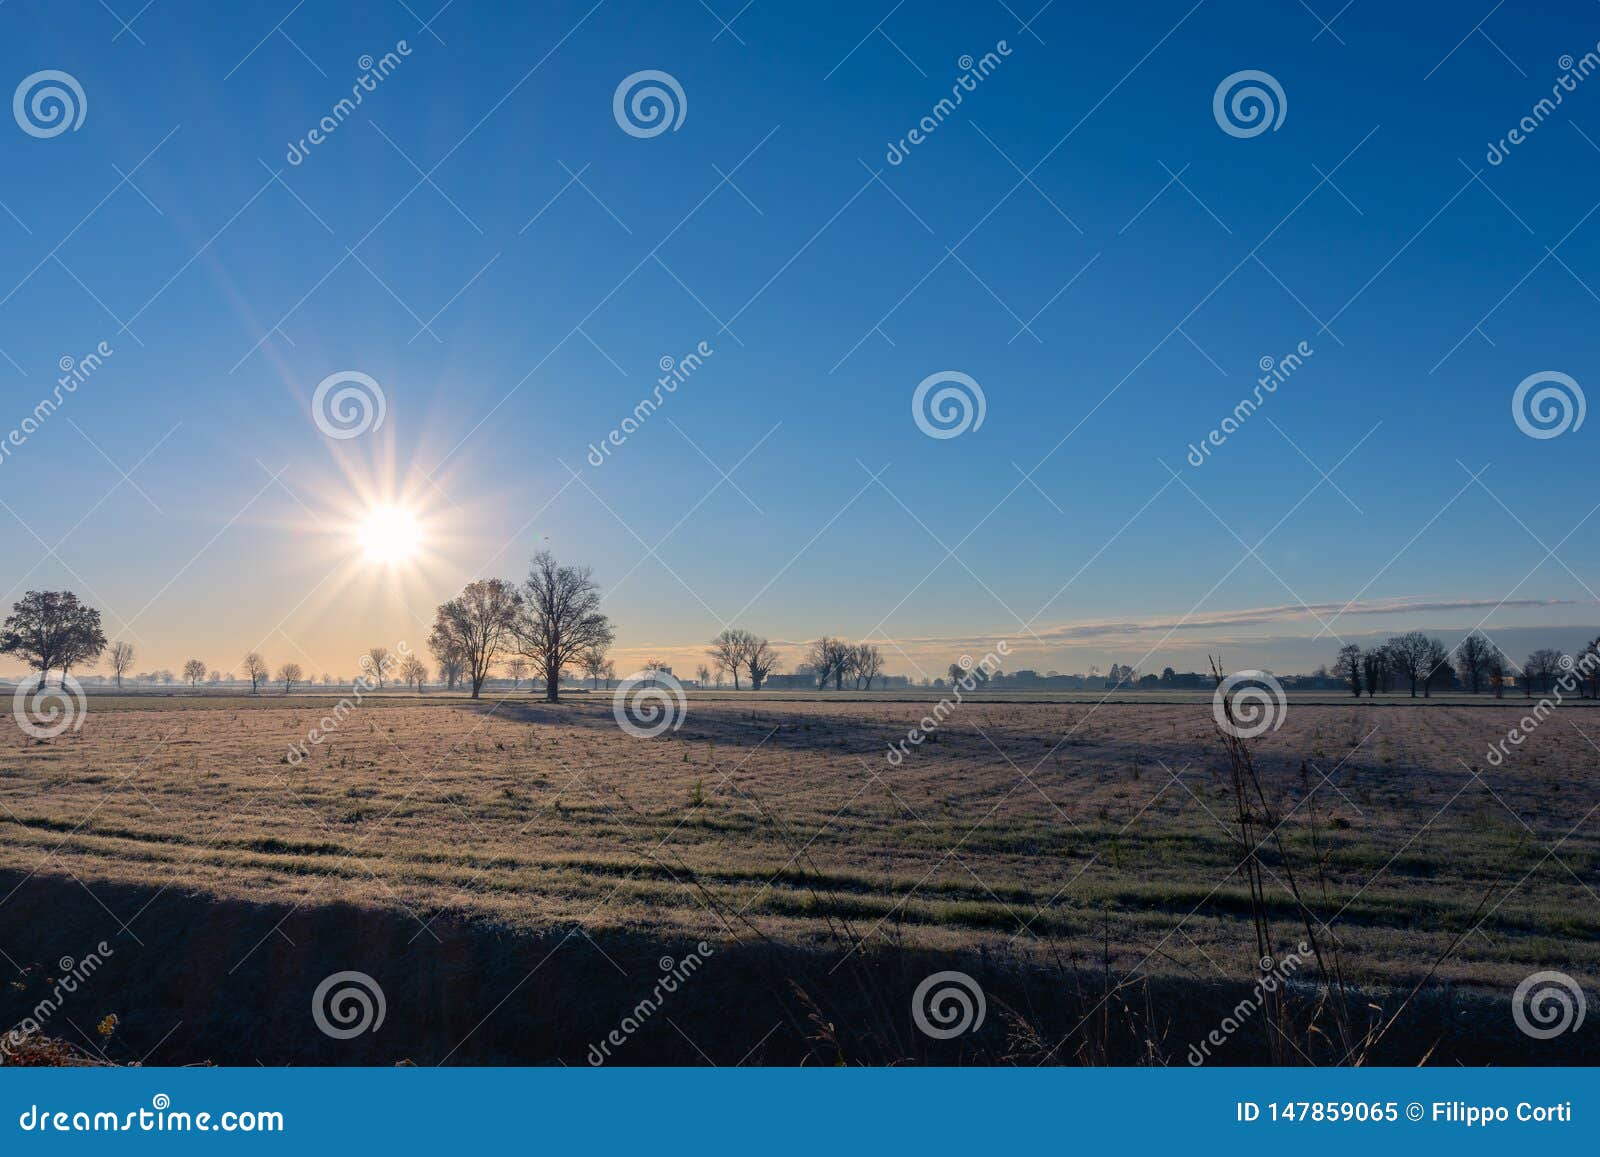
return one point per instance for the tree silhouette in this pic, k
(478, 625)
(121, 660)
(560, 620)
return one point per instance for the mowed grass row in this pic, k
(1104, 834)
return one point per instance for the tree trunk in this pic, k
(552, 685)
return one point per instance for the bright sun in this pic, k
(389, 535)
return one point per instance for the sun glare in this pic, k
(390, 535)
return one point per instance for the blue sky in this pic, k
(1079, 236)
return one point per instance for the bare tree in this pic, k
(866, 663)
(121, 659)
(1375, 670)
(255, 669)
(1436, 668)
(728, 651)
(561, 619)
(194, 671)
(593, 663)
(702, 675)
(1415, 657)
(1542, 670)
(1348, 667)
(518, 670)
(214, 677)
(479, 622)
(376, 661)
(828, 657)
(1474, 654)
(414, 672)
(447, 650)
(289, 674)
(760, 660)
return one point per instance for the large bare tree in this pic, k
(480, 623)
(730, 650)
(1421, 659)
(866, 663)
(1474, 654)
(194, 671)
(1542, 670)
(290, 674)
(760, 660)
(561, 619)
(829, 658)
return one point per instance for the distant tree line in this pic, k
(551, 625)
(1416, 660)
